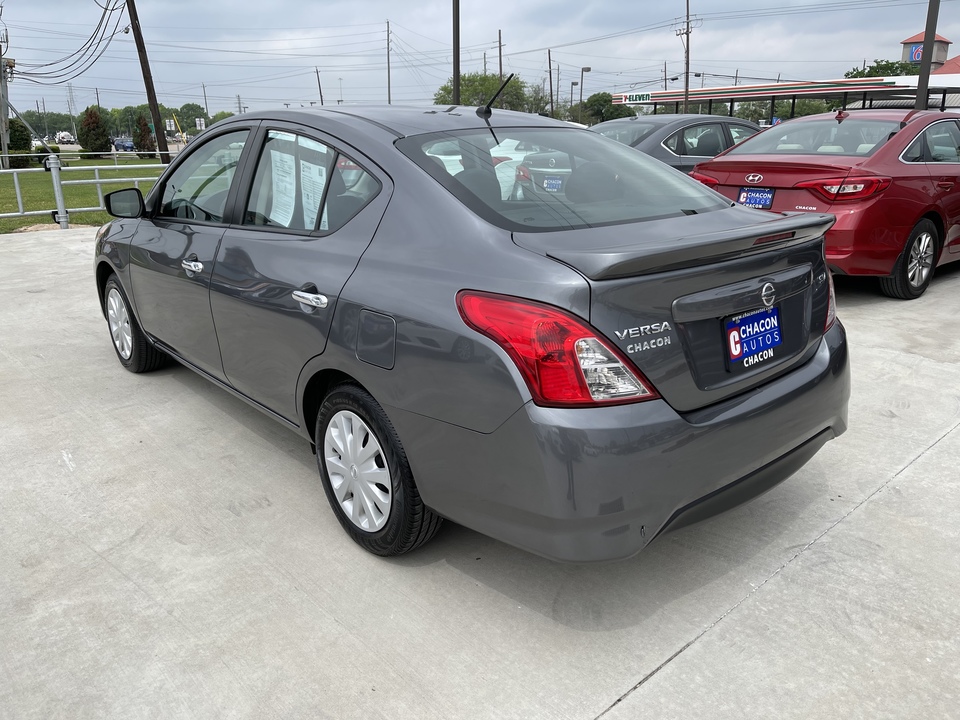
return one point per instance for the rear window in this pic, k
(825, 136)
(547, 179)
(628, 133)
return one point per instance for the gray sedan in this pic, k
(681, 141)
(572, 371)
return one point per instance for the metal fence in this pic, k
(58, 174)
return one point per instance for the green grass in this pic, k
(37, 190)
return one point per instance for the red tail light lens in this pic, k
(705, 179)
(851, 188)
(563, 360)
(497, 160)
(523, 173)
(831, 305)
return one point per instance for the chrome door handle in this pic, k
(192, 266)
(314, 300)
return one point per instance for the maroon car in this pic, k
(889, 176)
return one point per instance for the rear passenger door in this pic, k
(943, 143)
(697, 143)
(309, 212)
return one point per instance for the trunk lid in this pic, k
(779, 174)
(701, 308)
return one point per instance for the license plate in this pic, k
(760, 198)
(752, 337)
(552, 183)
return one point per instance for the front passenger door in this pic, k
(173, 252)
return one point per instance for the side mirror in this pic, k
(127, 203)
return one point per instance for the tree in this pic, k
(188, 115)
(143, 140)
(222, 115)
(94, 137)
(477, 89)
(883, 68)
(760, 110)
(19, 136)
(599, 107)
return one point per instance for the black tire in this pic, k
(406, 523)
(914, 268)
(133, 349)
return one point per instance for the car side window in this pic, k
(740, 132)
(197, 189)
(943, 140)
(703, 140)
(914, 153)
(303, 184)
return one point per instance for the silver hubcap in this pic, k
(119, 322)
(358, 471)
(921, 260)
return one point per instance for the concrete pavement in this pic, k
(168, 552)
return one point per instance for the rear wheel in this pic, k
(914, 268)
(133, 349)
(366, 476)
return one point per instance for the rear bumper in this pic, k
(599, 484)
(862, 244)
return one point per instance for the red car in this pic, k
(891, 177)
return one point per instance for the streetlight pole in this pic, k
(580, 108)
(340, 101)
(573, 84)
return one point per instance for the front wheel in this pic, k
(366, 476)
(914, 268)
(133, 349)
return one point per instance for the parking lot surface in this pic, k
(166, 551)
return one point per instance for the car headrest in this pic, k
(592, 182)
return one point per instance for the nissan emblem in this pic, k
(768, 294)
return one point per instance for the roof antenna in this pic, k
(485, 111)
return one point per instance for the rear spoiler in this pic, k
(671, 253)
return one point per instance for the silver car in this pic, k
(573, 371)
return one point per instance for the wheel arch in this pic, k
(104, 271)
(316, 389)
(934, 216)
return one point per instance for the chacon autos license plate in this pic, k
(760, 198)
(552, 183)
(752, 338)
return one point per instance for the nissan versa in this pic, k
(571, 371)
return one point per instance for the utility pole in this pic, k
(456, 52)
(98, 101)
(550, 69)
(4, 112)
(158, 127)
(46, 127)
(320, 87)
(388, 63)
(206, 108)
(685, 38)
(500, 52)
(664, 74)
(929, 35)
(484, 63)
(239, 106)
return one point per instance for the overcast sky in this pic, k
(266, 51)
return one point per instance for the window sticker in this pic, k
(313, 179)
(284, 187)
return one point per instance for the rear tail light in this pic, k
(851, 188)
(705, 179)
(564, 361)
(523, 173)
(831, 304)
(497, 160)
